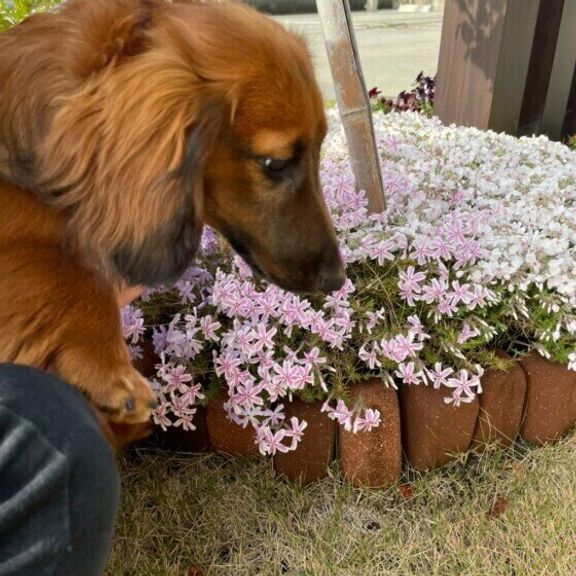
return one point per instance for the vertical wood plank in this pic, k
(469, 49)
(540, 67)
(562, 75)
(484, 60)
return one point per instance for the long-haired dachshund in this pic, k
(125, 125)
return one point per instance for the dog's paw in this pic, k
(124, 396)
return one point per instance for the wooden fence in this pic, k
(509, 65)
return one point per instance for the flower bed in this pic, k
(472, 264)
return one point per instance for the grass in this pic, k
(503, 513)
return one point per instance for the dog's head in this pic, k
(215, 117)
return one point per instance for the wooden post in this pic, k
(484, 57)
(563, 75)
(352, 98)
(509, 65)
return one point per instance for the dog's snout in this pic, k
(332, 276)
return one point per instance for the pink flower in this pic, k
(371, 419)
(439, 376)
(407, 346)
(263, 338)
(466, 333)
(463, 388)
(297, 428)
(270, 442)
(416, 327)
(288, 375)
(371, 358)
(435, 291)
(460, 293)
(407, 372)
(210, 327)
(176, 378)
(341, 414)
(421, 253)
(247, 394)
(410, 280)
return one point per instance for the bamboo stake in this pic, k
(352, 98)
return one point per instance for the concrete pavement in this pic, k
(394, 47)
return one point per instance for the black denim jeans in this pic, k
(59, 483)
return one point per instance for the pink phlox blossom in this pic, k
(435, 291)
(342, 414)
(460, 293)
(370, 420)
(182, 344)
(313, 356)
(186, 291)
(440, 249)
(273, 417)
(407, 372)
(209, 242)
(210, 328)
(317, 321)
(446, 307)
(417, 328)
(479, 297)
(370, 356)
(248, 394)
(467, 333)
(421, 252)
(176, 378)
(373, 318)
(244, 270)
(296, 430)
(159, 339)
(265, 361)
(291, 355)
(226, 362)
(243, 339)
(391, 350)
(439, 376)
(160, 414)
(407, 345)
(410, 280)
(270, 443)
(340, 298)
(294, 311)
(135, 351)
(382, 251)
(343, 320)
(192, 394)
(463, 388)
(263, 338)
(132, 323)
(288, 375)
(456, 231)
(443, 273)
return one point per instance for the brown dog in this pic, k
(136, 122)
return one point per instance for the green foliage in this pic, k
(14, 11)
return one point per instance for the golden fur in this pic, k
(125, 125)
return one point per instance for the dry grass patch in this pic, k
(503, 513)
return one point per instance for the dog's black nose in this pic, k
(331, 277)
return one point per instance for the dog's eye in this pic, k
(275, 166)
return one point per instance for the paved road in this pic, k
(394, 47)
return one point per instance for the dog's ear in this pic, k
(105, 33)
(166, 252)
(124, 159)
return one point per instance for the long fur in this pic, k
(125, 126)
